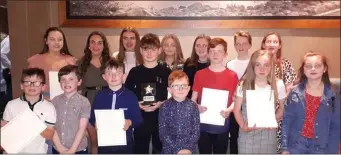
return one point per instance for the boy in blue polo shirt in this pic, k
(116, 96)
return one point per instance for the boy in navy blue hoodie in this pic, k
(116, 96)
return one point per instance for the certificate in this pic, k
(215, 100)
(20, 131)
(109, 124)
(260, 108)
(55, 88)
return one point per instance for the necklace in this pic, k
(202, 61)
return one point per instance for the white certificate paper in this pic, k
(20, 131)
(215, 100)
(55, 88)
(260, 108)
(109, 124)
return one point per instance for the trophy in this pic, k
(148, 93)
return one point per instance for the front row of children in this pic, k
(311, 117)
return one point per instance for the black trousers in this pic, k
(142, 136)
(116, 149)
(234, 133)
(213, 143)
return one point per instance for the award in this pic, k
(148, 93)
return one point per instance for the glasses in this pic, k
(318, 66)
(178, 87)
(32, 83)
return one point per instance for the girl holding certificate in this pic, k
(259, 76)
(311, 121)
(283, 67)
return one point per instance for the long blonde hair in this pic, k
(248, 80)
(179, 57)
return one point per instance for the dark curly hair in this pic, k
(105, 56)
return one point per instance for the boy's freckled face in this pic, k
(113, 76)
(179, 88)
(30, 89)
(217, 54)
(69, 83)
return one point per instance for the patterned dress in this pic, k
(260, 141)
(288, 77)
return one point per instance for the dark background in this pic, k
(3, 16)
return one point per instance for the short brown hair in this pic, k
(112, 63)
(176, 75)
(29, 72)
(218, 41)
(245, 34)
(149, 41)
(67, 70)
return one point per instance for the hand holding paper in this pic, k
(260, 109)
(110, 124)
(14, 138)
(127, 124)
(202, 109)
(216, 101)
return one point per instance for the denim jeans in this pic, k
(305, 146)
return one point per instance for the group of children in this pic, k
(143, 72)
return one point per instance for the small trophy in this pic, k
(148, 93)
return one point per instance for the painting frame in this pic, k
(230, 23)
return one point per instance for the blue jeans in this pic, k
(305, 146)
(49, 144)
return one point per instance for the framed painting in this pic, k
(200, 14)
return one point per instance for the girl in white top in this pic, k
(259, 75)
(242, 44)
(129, 50)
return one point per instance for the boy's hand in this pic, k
(64, 151)
(155, 106)
(285, 152)
(3, 123)
(202, 108)
(144, 107)
(225, 113)
(127, 124)
(184, 151)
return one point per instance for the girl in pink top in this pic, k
(54, 55)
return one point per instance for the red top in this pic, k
(312, 105)
(225, 80)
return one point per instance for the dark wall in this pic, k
(3, 16)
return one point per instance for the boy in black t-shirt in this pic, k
(149, 82)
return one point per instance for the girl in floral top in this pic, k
(171, 52)
(283, 68)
